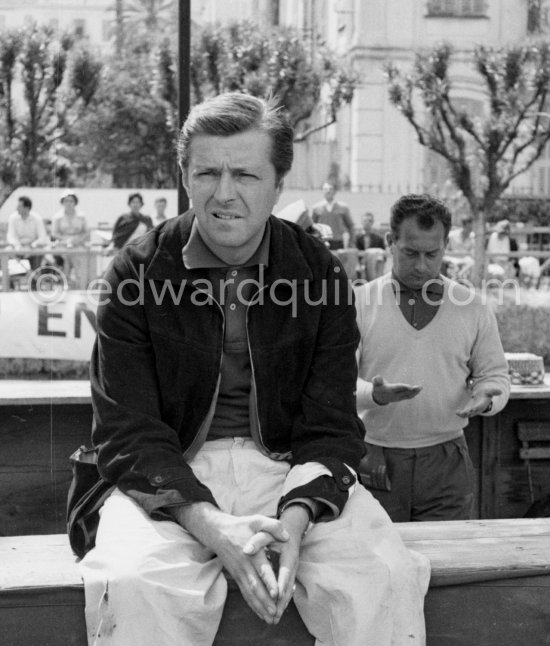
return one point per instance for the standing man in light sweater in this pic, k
(430, 357)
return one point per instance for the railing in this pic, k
(88, 265)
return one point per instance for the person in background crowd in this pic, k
(459, 255)
(160, 207)
(334, 214)
(430, 357)
(500, 242)
(26, 230)
(228, 423)
(69, 229)
(130, 226)
(372, 246)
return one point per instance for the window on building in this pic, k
(79, 28)
(457, 8)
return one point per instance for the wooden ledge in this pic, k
(459, 551)
(23, 392)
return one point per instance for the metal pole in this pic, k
(184, 99)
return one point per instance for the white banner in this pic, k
(33, 328)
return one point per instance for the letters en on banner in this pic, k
(33, 328)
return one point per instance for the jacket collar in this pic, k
(286, 258)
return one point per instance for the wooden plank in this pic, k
(466, 530)
(15, 392)
(460, 552)
(496, 613)
(40, 587)
(43, 391)
(35, 471)
(534, 431)
(484, 559)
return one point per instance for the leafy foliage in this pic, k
(485, 153)
(58, 79)
(130, 130)
(305, 80)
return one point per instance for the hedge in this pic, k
(524, 321)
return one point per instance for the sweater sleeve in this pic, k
(488, 365)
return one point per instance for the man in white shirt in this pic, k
(26, 230)
(430, 357)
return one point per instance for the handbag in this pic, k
(87, 493)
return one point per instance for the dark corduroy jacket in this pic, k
(156, 363)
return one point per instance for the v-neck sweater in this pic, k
(460, 346)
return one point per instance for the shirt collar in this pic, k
(197, 255)
(434, 286)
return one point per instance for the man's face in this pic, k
(135, 205)
(329, 192)
(417, 253)
(233, 186)
(23, 210)
(367, 221)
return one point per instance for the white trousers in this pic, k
(150, 582)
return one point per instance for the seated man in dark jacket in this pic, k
(223, 382)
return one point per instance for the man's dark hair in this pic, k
(26, 201)
(426, 209)
(233, 113)
(133, 195)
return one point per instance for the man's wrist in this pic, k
(303, 505)
(378, 403)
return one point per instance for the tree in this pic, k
(57, 79)
(130, 131)
(148, 21)
(307, 82)
(484, 154)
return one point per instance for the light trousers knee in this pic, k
(149, 582)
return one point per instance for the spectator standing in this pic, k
(334, 214)
(160, 208)
(130, 226)
(228, 423)
(69, 229)
(430, 357)
(501, 244)
(372, 246)
(26, 230)
(459, 254)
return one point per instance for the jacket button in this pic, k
(158, 479)
(346, 480)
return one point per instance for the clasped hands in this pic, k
(242, 542)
